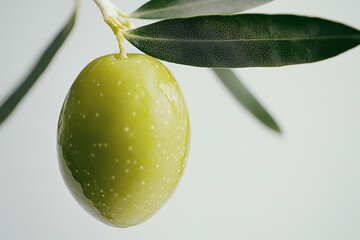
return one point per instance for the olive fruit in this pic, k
(123, 138)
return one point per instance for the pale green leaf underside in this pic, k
(244, 97)
(246, 40)
(157, 9)
(13, 100)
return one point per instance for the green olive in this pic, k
(123, 138)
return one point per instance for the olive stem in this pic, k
(114, 17)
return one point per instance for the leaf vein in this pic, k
(352, 36)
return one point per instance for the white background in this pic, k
(242, 180)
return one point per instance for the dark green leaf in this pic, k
(247, 40)
(239, 91)
(13, 100)
(156, 9)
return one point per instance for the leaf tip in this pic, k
(276, 128)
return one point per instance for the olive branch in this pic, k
(186, 35)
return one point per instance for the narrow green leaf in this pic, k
(13, 100)
(247, 40)
(239, 91)
(157, 9)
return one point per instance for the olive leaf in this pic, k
(14, 99)
(244, 97)
(246, 40)
(156, 9)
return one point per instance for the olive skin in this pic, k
(123, 138)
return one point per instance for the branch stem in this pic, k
(115, 18)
